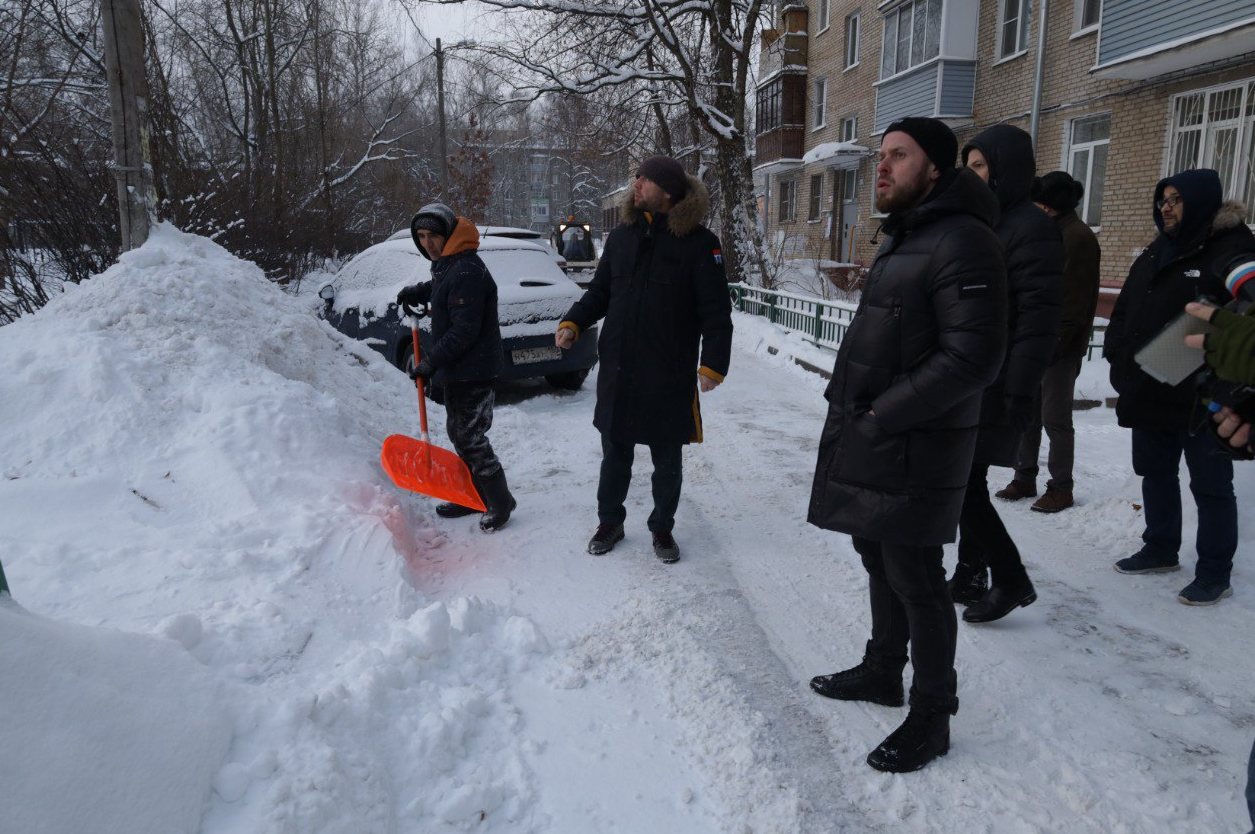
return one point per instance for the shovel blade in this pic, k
(429, 470)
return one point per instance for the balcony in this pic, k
(782, 52)
(1140, 39)
(780, 148)
(943, 88)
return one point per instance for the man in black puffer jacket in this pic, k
(465, 352)
(1003, 157)
(660, 287)
(1200, 236)
(904, 404)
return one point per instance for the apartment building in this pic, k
(1118, 92)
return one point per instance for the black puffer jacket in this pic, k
(466, 334)
(1166, 276)
(1034, 253)
(661, 288)
(928, 336)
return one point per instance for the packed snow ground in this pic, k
(225, 619)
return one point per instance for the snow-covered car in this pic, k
(532, 296)
(530, 235)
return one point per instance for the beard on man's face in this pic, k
(1171, 226)
(903, 195)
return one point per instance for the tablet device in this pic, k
(1166, 358)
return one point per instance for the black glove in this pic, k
(423, 369)
(413, 300)
(1018, 412)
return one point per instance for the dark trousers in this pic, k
(910, 604)
(468, 417)
(616, 476)
(1053, 411)
(1250, 788)
(1157, 458)
(983, 538)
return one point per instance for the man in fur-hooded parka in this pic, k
(661, 289)
(1200, 236)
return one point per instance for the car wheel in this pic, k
(405, 356)
(569, 381)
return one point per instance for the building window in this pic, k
(912, 36)
(1088, 13)
(1089, 140)
(821, 102)
(851, 40)
(822, 15)
(850, 186)
(788, 201)
(1012, 27)
(849, 128)
(1215, 128)
(817, 195)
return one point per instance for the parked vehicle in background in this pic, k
(574, 241)
(532, 296)
(516, 233)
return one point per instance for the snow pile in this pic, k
(204, 467)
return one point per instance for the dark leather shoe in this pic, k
(1054, 501)
(603, 541)
(450, 510)
(922, 737)
(968, 584)
(665, 548)
(862, 683)
(999, 601)
(1016, 490)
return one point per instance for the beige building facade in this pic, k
(1121, 94)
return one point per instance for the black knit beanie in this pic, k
(1057, 190)
(667, 174)
(933, 135)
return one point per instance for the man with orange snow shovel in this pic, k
(465, 351)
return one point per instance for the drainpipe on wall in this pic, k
(1038, 71)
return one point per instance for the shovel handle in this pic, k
(418, 380)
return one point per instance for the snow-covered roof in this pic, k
(833, 150)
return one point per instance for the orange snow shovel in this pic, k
(418, 466)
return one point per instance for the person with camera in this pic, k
(464, 356)
(1199, 235)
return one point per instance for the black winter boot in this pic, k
(496, 494)
(451, 510)
(862, 683)
(922, 737)
(968, 584)
(1001, 600)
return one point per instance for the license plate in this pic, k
(528, 356)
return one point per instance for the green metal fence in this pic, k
(818, 320)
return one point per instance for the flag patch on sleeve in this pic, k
(717, 255)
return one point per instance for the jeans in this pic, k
(468, 417)
(983, 538)
(616, 476)
(1053, 411)
(1157, 458)
(910, 605)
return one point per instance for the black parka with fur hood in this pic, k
(661, 288)
(928, 336)
(1034, 251)
(1168, 274)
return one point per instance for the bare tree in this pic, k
(694, 56)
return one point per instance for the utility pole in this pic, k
(441, 148)
(128, 102)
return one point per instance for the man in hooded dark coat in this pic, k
(903, 409)
(1200, 236)
(1003, 157)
